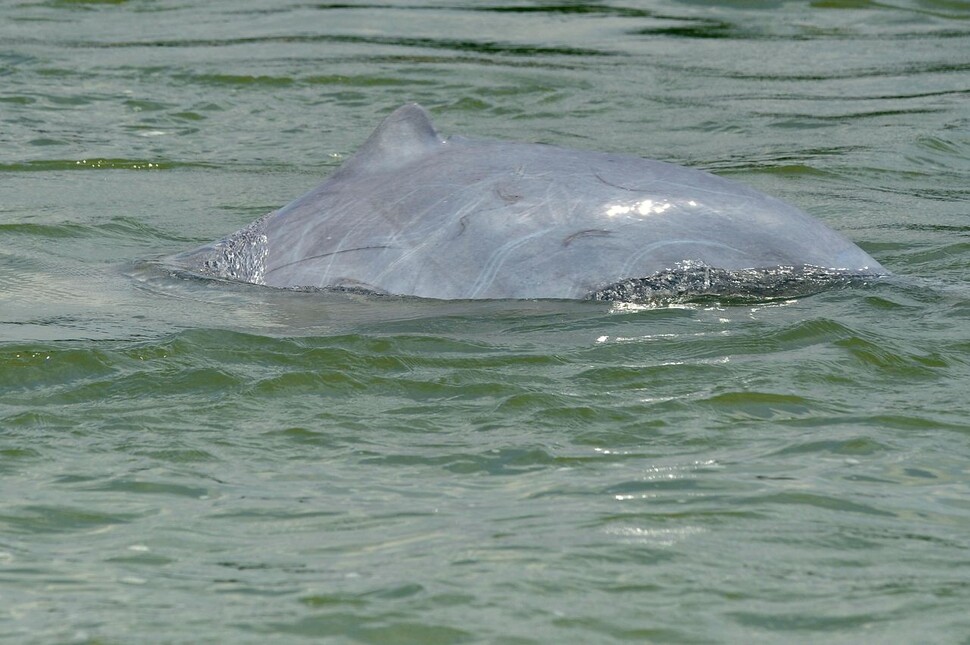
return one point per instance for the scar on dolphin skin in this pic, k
(610, 183)
(590, 232)
(462, 225)
(324, 255)
(507, 198)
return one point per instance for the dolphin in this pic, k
(414, 213)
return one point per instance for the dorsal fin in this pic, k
(407, 133)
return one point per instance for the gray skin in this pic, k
(414, 213)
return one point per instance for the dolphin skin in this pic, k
(415, 214)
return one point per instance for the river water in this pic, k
(191, 461)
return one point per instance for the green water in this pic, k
(185, 461)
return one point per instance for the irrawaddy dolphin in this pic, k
(413, 213)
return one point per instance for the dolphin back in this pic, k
(414, 213)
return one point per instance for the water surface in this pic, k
(191, 461)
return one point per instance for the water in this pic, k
(189, 461)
